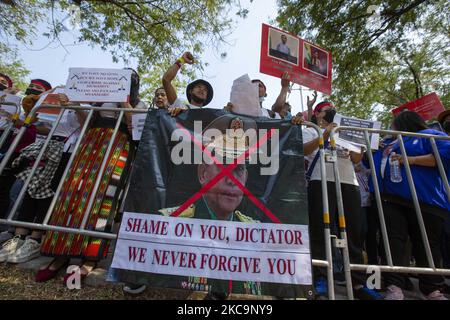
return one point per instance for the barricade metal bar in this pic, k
(101, 172)
(400, 269)
(320, 263)
(326, 212)
(10, 125)
(13, 147)
(326, 217)
(69, 164)
(38, 226)
(393, 132)
(341, 214)
(5, 133)
(34, 168)
(416, 202)
(440, 167)
(384, 235)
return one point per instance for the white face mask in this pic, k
(261, 99)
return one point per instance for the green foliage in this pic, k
(385, 53)
(153, 33)
(12, 66)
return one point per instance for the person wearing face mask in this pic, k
(199, 92)
(286, 111)
(323, 116)
(277, 107)
(399, 214)
(37, 86)
(444, 120)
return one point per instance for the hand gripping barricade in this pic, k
(10, 124)
(342, 242)
(45, 226)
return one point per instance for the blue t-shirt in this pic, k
(427, 180)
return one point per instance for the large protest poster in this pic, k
(308, 64)
(213, 207)
(98, 85)
(428, 107)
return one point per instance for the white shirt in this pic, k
(283, 48)
(345, 166)
(180, 104)
(265, 113)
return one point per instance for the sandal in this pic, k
(82, 275)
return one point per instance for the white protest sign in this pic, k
(98, 85)
(137, 122)
(346, 138)
(244, 97)
(277, 253)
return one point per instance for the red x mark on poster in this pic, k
(227, 171)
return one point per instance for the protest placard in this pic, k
(307, 63)
(346, 138)
(98, 85)
(194, 220)
(428, 107)
(278, 253)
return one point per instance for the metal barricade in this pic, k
(328, 263)
(45, 226)
(389, 267)
(10, 125)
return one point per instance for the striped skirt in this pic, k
(78, 186)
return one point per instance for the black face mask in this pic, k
(2, 87)
(329, 115)
(32, 91)
(446, 126)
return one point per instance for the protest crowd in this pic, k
(72, 206)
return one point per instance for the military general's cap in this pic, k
(233, 136)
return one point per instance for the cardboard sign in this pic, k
(98, 85)
(428, 107)
(308, 64)
(356, 138)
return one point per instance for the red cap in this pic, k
(322, 105)
(42, 83)
(8, 79)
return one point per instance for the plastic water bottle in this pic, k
(396, 174)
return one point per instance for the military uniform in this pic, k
(200, 210)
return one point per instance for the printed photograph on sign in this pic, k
(217, 203)
(315, 59)
(283, 46)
